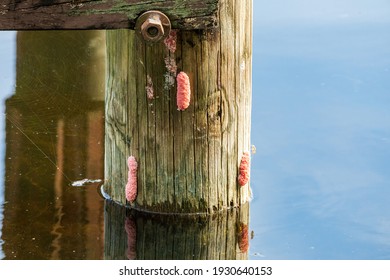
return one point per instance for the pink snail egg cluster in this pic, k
(243, 176)
(131, 186)
(183, 91)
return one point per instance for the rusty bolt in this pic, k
(152, 30)
(153, 26)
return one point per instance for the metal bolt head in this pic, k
(153, 26)
(152, 30)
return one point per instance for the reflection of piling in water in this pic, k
(135, 235)
(131, 231)
(54, 134)
(56, 63)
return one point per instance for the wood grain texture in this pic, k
(102, 14)
(188, 160)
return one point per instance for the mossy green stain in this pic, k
(178, 11)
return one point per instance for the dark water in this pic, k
(54, 134)
(321, 126)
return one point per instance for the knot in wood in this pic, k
(153, 26)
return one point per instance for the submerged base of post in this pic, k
(187, 150)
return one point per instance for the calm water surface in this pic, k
(54, 133)
(321, 126)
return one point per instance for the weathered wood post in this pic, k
(188, 160)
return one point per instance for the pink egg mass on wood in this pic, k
(243, 176)
(183, 91)
(243, 238)
(131, 186)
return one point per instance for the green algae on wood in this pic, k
(104, 14)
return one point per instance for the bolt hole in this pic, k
(152, 31)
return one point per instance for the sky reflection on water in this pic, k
(7, 82)
(322, 132)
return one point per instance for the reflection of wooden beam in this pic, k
(94, 170)
(95, 144)
(58, 203)
(99, 14)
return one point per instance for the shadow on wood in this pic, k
(130, 234)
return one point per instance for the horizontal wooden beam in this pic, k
(103, 14)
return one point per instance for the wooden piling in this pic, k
(188, 161)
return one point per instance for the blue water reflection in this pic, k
(322, 131)
(7, 82)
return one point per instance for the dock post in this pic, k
(188, 160)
